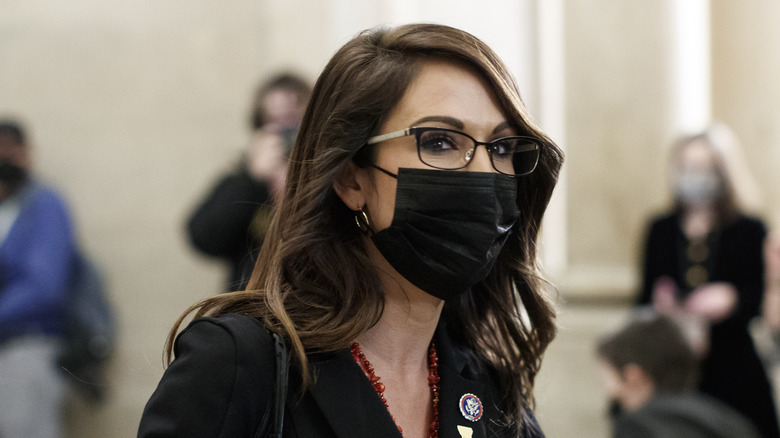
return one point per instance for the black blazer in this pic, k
(221, 382)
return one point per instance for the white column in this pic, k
(691, 64)
(552, 117)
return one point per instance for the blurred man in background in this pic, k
(36, 256)
(650, 372)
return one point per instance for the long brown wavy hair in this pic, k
(313, 282)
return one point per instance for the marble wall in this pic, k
(618, 113)
(134, 108)
(746, 89)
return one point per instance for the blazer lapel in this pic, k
(457, 382)
(353, 409)
(348, 400)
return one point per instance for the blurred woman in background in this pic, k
(703, 265)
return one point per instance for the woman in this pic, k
(399, 266)
(703, 263)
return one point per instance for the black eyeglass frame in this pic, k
(417, 131)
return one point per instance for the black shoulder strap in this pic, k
(280, 386)
(272, 419)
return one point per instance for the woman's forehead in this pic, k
(447, 90)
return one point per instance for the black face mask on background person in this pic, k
(11, 175)
(448, 227)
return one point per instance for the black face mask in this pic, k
(12, 175)
(448, 227)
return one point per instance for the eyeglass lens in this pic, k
(452, 150)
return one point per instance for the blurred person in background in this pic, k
(703, 265)
(649, 370)
(230, 222)
(400, 266)
(37, 251)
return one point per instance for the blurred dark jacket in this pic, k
(687, 415)
(230, 223)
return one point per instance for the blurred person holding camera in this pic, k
(231, 221)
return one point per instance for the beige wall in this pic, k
(136, 106)
(618, 112)
(746, 87)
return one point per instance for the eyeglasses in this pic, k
(448, 149)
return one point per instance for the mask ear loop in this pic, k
(362, 222)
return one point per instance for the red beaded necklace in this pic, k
(379, 387)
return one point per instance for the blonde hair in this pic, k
(741, 192)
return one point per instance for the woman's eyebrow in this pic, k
(501, 126)
(455, 123)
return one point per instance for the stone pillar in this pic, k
(746, 88)
(620, 117)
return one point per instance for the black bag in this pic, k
(90, 334)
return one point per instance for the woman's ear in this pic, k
(348, 188)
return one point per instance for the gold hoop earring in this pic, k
(362, 222)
